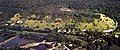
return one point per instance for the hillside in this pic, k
(46, 7)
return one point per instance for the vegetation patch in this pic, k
(83, 24)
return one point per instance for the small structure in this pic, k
(6, 24)
(64, 31)
(12, 24)
(70, 45)
(19, 22)
(65, 9)
(110, 30)
(59, 30)
(116, 36)
(84, 30)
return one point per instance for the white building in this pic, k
(108, 30)
(12, 24)
(59, 30)
(19, 21)
(116, 36)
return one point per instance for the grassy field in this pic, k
(100, 24)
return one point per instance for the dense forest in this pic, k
(46, 7)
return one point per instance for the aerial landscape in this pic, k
(59, 24)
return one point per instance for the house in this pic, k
(19, 22)
(59, 29)
(110, 30)
(6, 24)
(116, 36)
(64, 30)
(84, 30)
(12, 24)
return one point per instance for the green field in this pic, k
(97, 24)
